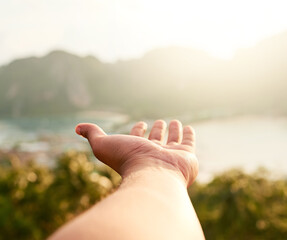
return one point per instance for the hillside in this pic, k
(164, 82)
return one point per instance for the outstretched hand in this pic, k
(128, 153)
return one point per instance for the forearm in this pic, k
(151, 203)
(160, 208)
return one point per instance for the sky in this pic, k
(115, 30)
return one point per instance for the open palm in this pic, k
(124, 153)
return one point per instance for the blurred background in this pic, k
(220, 66)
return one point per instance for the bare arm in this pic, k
(152, 201)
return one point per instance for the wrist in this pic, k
(186, 171)
(150, 172)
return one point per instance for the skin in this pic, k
(152, 200)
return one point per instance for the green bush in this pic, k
(36, 200)
(235, 205)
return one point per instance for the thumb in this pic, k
(89, 131)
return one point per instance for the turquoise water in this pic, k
(60, 124)
(246, 142)
(52, 134)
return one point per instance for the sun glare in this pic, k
(113, 30)
(222, 27)
(218, 27)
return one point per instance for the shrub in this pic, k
(36, 200)
(235, 205)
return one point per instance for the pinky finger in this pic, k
(188, 136)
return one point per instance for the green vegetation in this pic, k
(36, 200)
(235, 205)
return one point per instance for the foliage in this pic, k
(235, 205)
(35, 200)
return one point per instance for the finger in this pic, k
(158, 130)
(175, 132)
(89, 131)
(139, 129)
(188, 136)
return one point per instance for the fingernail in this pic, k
(78, 130)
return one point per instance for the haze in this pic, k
(113, 30)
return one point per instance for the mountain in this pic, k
(164, 82)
